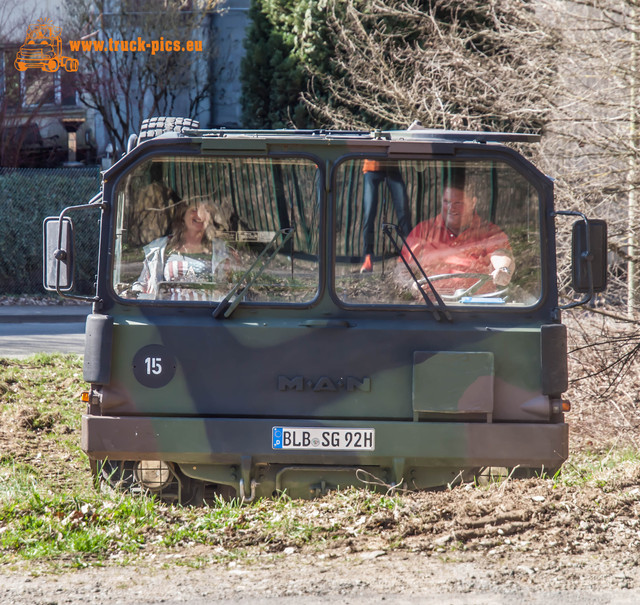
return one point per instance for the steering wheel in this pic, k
(481, 280)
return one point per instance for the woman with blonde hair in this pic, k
(192, 253)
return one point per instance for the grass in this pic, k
(50, 383)
(81, 530)
(52, 516)
(599, 468)
(90, 528)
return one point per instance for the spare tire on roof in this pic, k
(153, 127)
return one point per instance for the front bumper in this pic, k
(223, 441)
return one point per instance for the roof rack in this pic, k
(428, 134)
(415, 134)
(320, 132)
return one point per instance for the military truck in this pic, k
(278, 364)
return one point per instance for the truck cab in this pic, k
(306, 346)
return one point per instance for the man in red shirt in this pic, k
(459, 241)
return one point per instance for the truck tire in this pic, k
(70, 64)
(51, 65)
(180, 489)
(153, 127)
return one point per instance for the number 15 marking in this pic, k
(154, 365)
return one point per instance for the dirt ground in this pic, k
(358, 578)
(521, 541)
(533, 541)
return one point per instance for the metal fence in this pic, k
(27, 196)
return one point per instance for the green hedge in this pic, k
(29, 195)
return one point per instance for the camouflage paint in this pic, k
(442, 396)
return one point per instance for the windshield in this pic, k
(189, 229)
(472, 229)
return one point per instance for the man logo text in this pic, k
(324, 383)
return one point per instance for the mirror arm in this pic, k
(61, 254)
(587, 255)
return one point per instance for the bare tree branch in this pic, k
(126, 87)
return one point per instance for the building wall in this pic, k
(228, 29)
(15, 15)
(34, 105)
(224, 35)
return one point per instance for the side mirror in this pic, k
(58, 261)
(589, 256)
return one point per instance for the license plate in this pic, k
(322, 438)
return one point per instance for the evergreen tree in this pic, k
(273, 76)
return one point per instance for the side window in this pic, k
(193, 230)
(472, 229)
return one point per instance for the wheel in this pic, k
(153, 127)
(70, 64)
(481, 280)
(20, 65)
(51, 66)
(117, 473)
(498, 474)
(521, 472)
(163, 479)
(139, 477)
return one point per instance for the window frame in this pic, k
(461, 154)
(192, 154)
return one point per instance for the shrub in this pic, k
(29, 195)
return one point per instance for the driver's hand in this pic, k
(503, 269)
(501, 277)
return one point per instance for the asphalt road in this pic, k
(25, 331)
(24, 339)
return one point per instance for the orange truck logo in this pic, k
(43, 48)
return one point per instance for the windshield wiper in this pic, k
(387, 229)
(227, 308)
